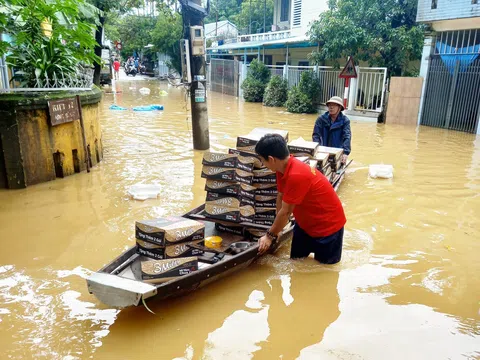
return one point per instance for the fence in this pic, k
(367, 91)
(81, 80)
(223, 76)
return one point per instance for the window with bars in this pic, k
(284, 10)
(434, 4)
(465, 42)
(297, 12)
(474, 2)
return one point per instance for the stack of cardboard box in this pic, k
(169, 242)
(230, 194)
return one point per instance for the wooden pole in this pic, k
(84, 138)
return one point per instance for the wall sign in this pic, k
(63, 111)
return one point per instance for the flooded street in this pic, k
(408, 285)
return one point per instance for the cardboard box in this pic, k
(229, 200)
(225, 227)
(301, 147)
(334, 153)
(219, 159)
(263, 222)
(170, 230)
(158, 271)
(246, 163)
(322, 159)
(248, 142)
(154, 251)
(265, 201)
(266, 189)
(225, 213)
(228, 174)
(264, 176)
(265, 213)
(249, 156)
(230, 188)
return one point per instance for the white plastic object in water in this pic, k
(380, 171)
(144, 91)
(144, 191)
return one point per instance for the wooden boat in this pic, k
(119, 284)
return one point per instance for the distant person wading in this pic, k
(333, 128)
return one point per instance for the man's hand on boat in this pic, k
(344, 159)
(264, 244)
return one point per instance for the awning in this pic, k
(296, 41)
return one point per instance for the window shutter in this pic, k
(297, 12)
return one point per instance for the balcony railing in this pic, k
(276, 35)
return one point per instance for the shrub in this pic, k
(259, 71)
(310, 85)
(276, 92)
(256, 81)
(299, 102)
(253, 90)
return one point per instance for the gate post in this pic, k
(242, 76)
(451, 95)
(428, 47)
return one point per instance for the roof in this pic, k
(300, 41)
(210, 27)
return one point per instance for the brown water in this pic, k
(407, 287)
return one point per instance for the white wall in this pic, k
(446, 10)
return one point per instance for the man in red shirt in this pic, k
(308, 194)
(116, 67)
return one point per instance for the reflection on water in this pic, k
(407, 286)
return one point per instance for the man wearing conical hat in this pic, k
(333, 128)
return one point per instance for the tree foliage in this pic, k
(276, 92)
(36, 51)
(381, 32)
(256, 81)
(247, 15)
(251, 16)
(305, 97)
(135, 32)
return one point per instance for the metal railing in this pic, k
(295, 73)
(274, 35)
(368, 88)
(466, 42)
(81, 80)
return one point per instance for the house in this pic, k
(450, 64)
(287, 41)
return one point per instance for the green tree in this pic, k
(223, 10)
(166, 37)
(37, 51)
(382, 32)
(106, 6)
(251, 16)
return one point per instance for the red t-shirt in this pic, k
(318, 210)
(116, 65)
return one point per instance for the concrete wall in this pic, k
(404, 100)
(446, 10)
(33, 151)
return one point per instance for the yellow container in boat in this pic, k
(213, 242)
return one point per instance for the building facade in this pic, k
(450, 64)
(286, 42)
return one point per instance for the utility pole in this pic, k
(264, 15)
(193, 14)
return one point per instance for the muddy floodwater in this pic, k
(408, 286)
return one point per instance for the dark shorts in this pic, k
(327, 249)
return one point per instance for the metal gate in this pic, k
(223, 75)
(452, 91)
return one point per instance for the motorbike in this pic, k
(130, 70)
